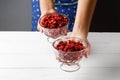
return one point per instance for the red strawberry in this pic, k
(70, 49)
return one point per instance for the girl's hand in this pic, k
(39, 27)
(81, 37)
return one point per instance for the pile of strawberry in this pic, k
(53, 21)
(69, 46)
(54, 25)
(70, 51)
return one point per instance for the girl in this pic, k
(79, 11)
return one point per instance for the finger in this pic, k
(86, 55)
(39, 27)
(58, 59)
(88, 50)
(66, 32)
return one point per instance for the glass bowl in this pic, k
(70, 60)
(54, 32)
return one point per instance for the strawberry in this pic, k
(57, 23)
(71, 50)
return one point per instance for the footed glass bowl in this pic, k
(52, 26)
(70, 60)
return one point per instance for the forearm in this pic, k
(84, 14)
(47, 6)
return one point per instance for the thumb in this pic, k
(39, 27)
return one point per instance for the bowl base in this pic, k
(69, 68)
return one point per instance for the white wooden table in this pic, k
(28, 56)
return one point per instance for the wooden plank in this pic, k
(28, 56)
(22, 49)
(57, 74)
(97, 60)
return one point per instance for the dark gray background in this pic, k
(15, 15)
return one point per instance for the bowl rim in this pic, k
(68, 38)
(54, 13)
